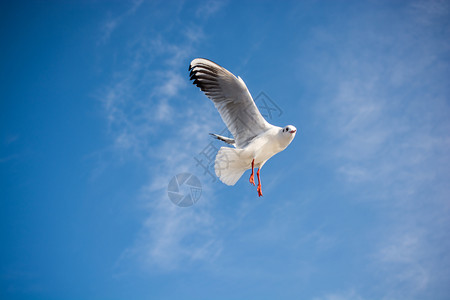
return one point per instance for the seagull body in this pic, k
(255, 140)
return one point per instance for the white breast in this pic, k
(265, 146)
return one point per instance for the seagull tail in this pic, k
(224, 139)
(230, 165)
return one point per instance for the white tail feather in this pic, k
(230, 165)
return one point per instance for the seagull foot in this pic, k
(259, 190)
(252, 176)
(252, 179)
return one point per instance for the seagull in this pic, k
(255, 140)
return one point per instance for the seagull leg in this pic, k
(252, 176)
(259, 184)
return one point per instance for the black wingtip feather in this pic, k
(204, 77)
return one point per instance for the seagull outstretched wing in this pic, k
(231, 98)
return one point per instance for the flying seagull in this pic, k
(255, 140)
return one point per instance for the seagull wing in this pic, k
(231, 98)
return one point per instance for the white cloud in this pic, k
(139, 111)
(388, 129)
(209, 8)
(354, 173)
(164, 111)
(110, 25)
(406, 261)
(381, 116)
(346, 295)
(429, 11)
(172, 84)
(172, 236)
(137, 101)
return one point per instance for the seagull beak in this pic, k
(293, 131)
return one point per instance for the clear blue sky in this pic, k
(98, 114)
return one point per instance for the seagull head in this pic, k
(289, 130)
(288, 133)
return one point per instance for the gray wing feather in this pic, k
(231, 98)
(224, 139)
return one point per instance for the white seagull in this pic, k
(255, 140)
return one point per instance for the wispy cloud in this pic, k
(137, 101)
(382, 121)
(345, 295)
(111, 24)
(171, 235)
(144, 123)
(209, 8)
(389, 136)
(402, 256)
(426, 12)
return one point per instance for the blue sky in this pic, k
(98, 114)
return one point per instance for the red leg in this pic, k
(252, 176)
(259, 185)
